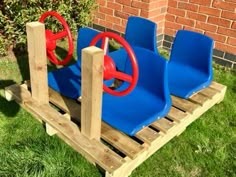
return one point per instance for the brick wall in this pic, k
(215, 18)
(112, 15)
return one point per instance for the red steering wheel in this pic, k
(109, 69)
(51, 39)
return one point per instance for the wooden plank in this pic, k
(121, 141)
(147, 135)
(184, 104)
(163, 125)
(36, 42)
(177, 115)
(51, 131)
(92, 88)
(199, 99)
(208, 92)
(217, 86)
(93, 150)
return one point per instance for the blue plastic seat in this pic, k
(67, 80)
(190, 65)
(149, 101)
(141, 32)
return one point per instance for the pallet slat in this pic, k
(198, 98)
(184, 104)
(147, 135)
(217, 86)
(121, 141)
(177, 115)
(208, 92)
(163, 125)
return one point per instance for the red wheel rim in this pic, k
(51, 39)
(111, 71)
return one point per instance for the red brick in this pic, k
(234, 25)
(209, 11)
(106, 10)
(206, 27)
(187, 6)
(227, 32)
(119, 28)
(185, 21)
(144, 13)
(158, 4)
(124, 2)
(225, 47)
(170, 18)
(196, 16)
(121, 14)
(172, 25)
(170, 31)
(219, 21)
(175, 11)
(124, 22)
(224, 5)
(158, 18)
(172, 3)
(160, 30)
(112, 19)
(114, 6)
(131, 10)
(216, 37)
(141, 5)
(234, 1)
(201, 2)
(101, 2)
(231, 41)
(154, 12)
(100, 15)
(105, 24)
(228, 15)
(96, 20)
(193, 29)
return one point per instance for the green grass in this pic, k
(206, 148)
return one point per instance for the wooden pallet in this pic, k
(117, 154)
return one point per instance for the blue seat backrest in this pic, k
(85, 36)
(151, 66)
(193, 49)
(141, 32)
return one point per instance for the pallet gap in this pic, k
(117, 151)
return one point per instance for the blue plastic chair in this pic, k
(141, 32)
(149, 101)
(190, 65)
(67, 80)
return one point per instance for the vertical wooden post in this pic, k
(92, 88)
(36, 41)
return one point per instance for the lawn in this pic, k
(206, 148)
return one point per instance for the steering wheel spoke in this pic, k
(59, 35)
(105, 45)
(122, 76)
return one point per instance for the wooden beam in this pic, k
(36, 41)
(92, 87)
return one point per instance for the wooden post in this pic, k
(92, 88)
(36, 41)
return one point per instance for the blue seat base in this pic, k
(184, 84)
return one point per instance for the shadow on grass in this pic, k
(9, 109)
